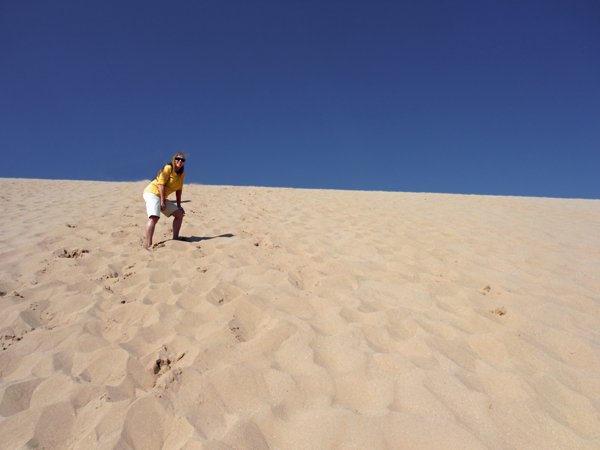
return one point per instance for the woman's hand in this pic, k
(163, 204)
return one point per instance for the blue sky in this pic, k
(467, 97)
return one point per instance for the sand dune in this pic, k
(297, 319)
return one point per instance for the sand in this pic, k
(297, 319)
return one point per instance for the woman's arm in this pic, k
(178, 194)
(163, 204)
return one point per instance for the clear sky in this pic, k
(469, 97)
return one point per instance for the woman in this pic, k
(168, 180)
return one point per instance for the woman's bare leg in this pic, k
(150, 229)
(177, 221)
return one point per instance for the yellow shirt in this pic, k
(169, 178)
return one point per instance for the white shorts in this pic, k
(153, 205)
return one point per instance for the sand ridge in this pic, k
(297, 319)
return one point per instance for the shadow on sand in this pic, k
(203, 238)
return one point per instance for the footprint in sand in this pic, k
(223, 293)
(109, 275)
(9, 339)
(17, 397)
(162, 365)
(77, 253)
(247, 320)
(304, 277)
(499, 311)
(235, 330)
(267, 242)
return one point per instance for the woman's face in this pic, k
(179, 162)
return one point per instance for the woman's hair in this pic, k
(172, 164)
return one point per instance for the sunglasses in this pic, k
(180, 159)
